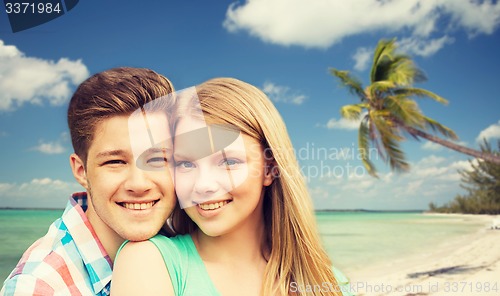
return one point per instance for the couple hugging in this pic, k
(195, 192)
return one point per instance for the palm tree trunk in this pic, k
(475, 153)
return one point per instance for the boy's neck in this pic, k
(109, 239)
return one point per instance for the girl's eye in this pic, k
(184, 164)
(230, 162)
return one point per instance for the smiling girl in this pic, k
(245, 220)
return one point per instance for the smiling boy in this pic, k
(123, 201)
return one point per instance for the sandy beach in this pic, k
(469, 265)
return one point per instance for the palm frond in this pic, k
(352, 111)
(403, 71)
(381, 86)
(393, 113)
(363, 147)
(437, 127)
(405, 110)
(388, 64)
(390, 138)
(419, 92)
(382, 121)
(353, 84)
(384, 51)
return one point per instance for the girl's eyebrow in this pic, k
(230, 153)
(234, 151)
(160, 150)
(204, 141)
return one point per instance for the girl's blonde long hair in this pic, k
(297, 258)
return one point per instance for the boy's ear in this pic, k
(78, 169)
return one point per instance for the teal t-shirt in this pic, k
(185, 266)
(188, 273)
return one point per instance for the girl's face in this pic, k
(219, 185)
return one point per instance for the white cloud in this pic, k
(476, 16)
(278, 93)
(439, 168)
(428, 145)
(3, 134)
(33, 80)
(52, 147)
(414, 185)
(431, 179)
(6, 187)
(463, 164)
(431, 146)
(39, 192)
(359, 183)
(362, 58)
(321, 24)
(318, 192)
(343, 123)
(49, 148)
(491, 132)
(429, 161)
(423, 47)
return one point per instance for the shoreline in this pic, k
(467, 265)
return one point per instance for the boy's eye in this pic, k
(114, 162)
(157, 161)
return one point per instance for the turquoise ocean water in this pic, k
(353, 239)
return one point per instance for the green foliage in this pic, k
(482, 185)
(390, 106)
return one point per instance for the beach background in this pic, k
(286, 50)
(383, 253)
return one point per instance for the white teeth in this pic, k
(138, 206)
(213, 206)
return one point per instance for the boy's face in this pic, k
(126, 201)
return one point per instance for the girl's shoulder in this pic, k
(182, 243)
(140, 262)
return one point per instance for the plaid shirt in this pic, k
(68, 260)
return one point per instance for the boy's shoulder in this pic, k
(69, 258)
(46, 266)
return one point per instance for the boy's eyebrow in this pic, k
(118, 152)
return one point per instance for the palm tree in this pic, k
(392, 113)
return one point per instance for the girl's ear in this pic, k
(271, 171)
(78, 169)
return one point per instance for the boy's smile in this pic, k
(127, 201)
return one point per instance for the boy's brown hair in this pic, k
(118, 91)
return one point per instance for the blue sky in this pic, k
(283, 47)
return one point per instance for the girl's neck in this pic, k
(247, 244)
(234, 261)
